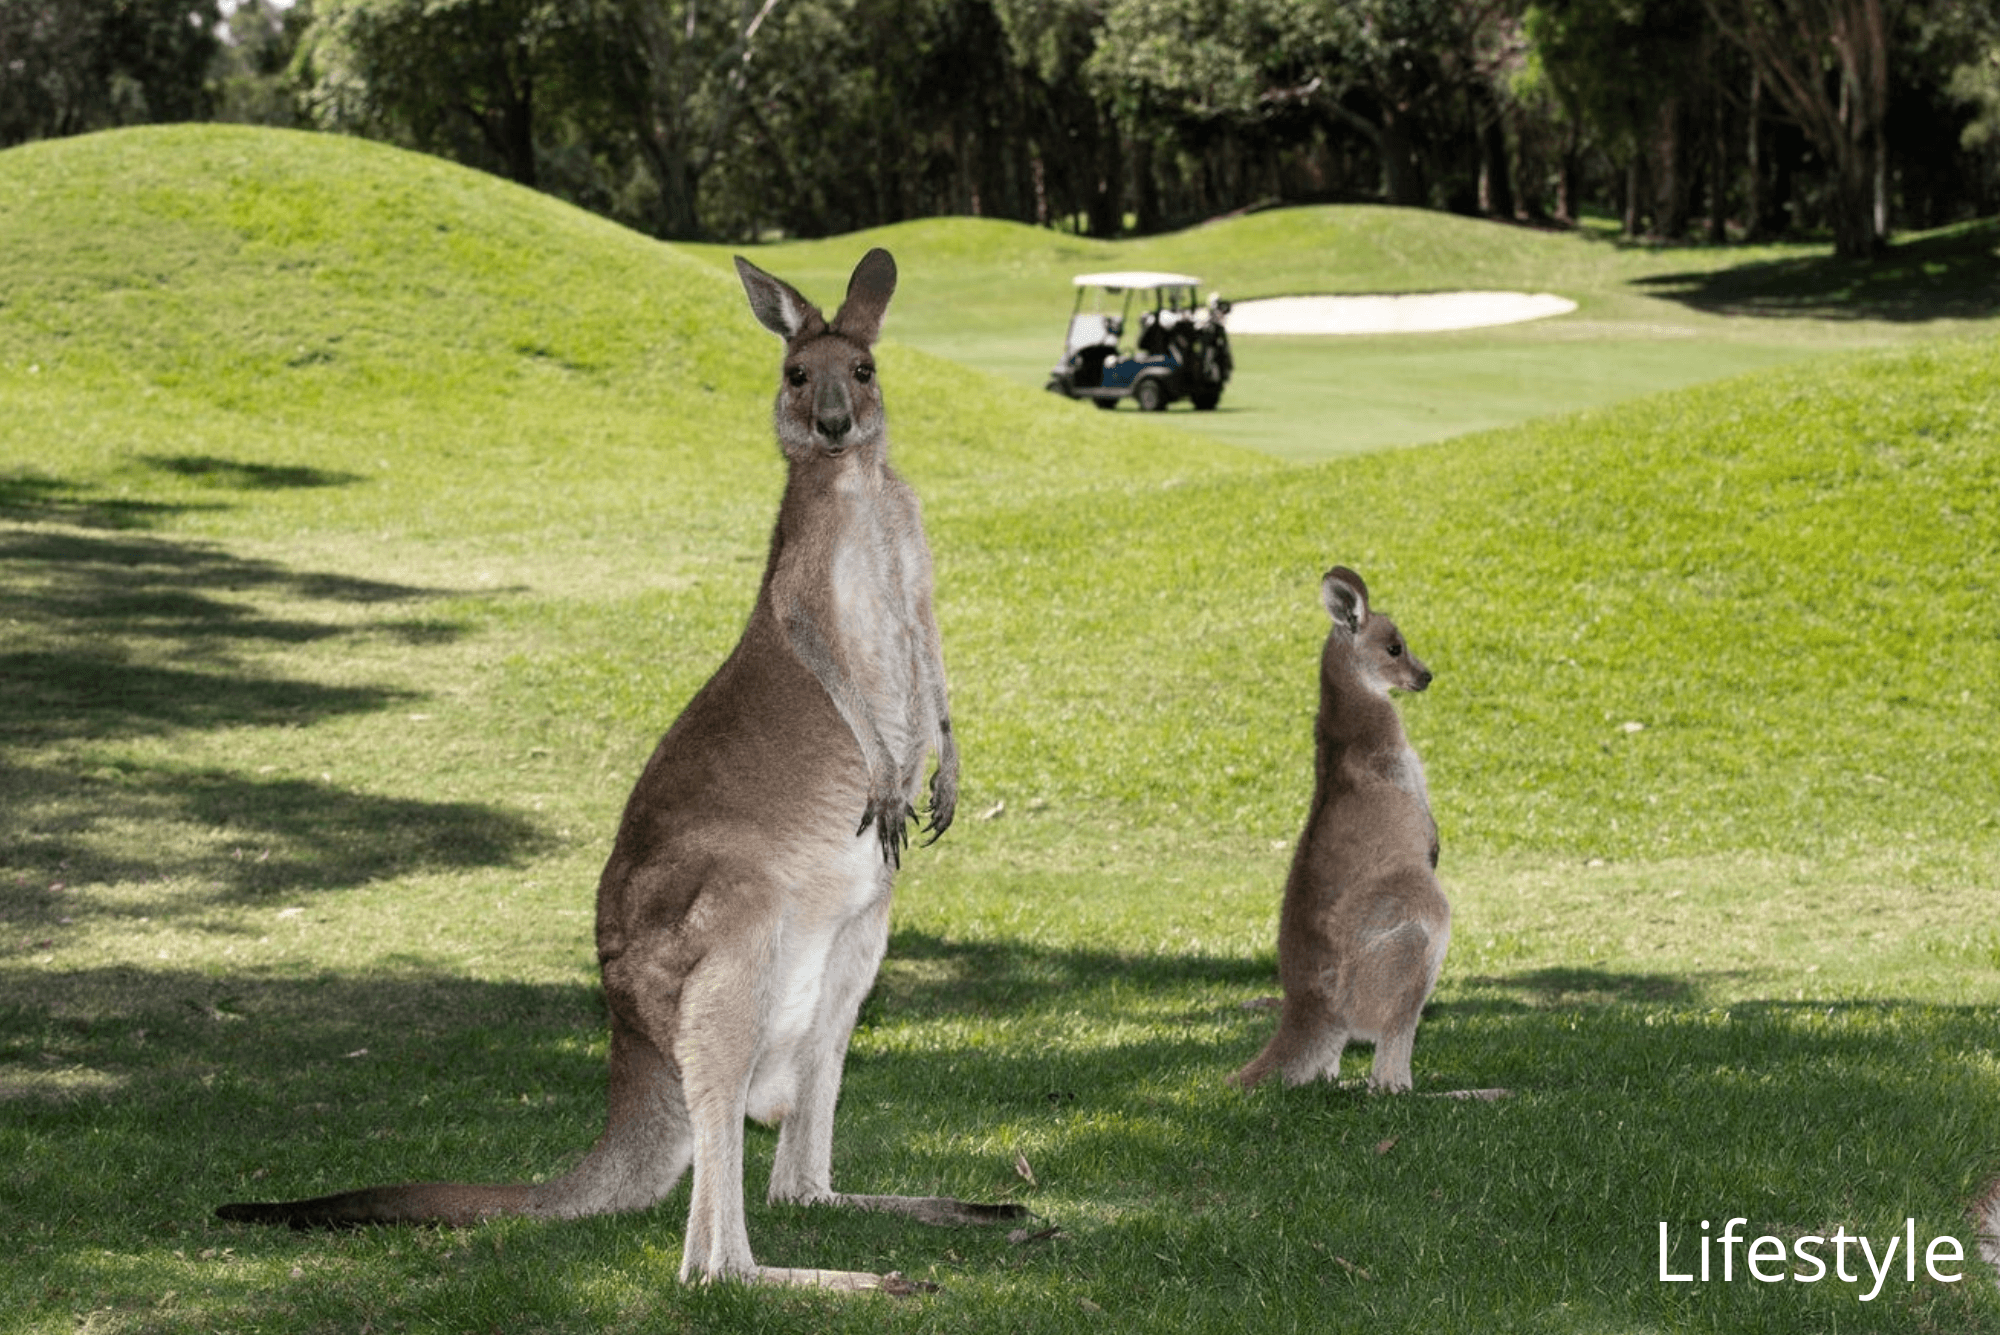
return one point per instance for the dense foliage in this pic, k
(1717, 118)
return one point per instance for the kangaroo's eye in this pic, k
(865, 372)
(795, 376)
(1395, 648)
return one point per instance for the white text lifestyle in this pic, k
(1809, 1259)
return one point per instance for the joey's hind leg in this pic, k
(1391, 1072)
(1312, 1033)
(1395, 979)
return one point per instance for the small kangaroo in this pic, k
(744, 909)
(1364, 925)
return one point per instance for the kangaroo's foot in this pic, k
(1484, 1095)
(842, 1281)
(941, 1210)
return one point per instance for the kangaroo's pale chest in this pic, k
(875, 622)
(1407, 773)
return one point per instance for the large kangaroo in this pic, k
(1364, 925)
(745, 906)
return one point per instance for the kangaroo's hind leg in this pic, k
(716, 1038)
(802, 1171)
(1396, 973)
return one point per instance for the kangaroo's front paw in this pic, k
(890, 815)
(944, 786)
(943, 805)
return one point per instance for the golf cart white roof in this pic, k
(1136, 278)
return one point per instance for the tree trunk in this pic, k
(1670, 176)
(1145, 190)
(1402, 180)
(1496, 194)
(1754, 199)
(1853, 206)
(1842, 114)
(1718, 167)
(1634, 187)
(509, 130)
(1107, 180)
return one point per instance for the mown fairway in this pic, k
(363, 521)
(997, 296)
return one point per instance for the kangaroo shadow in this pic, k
(1950, 276)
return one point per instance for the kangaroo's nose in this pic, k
(1424, 680)
(833, 426)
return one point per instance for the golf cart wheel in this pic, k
(1206, 399)
(1150, 395)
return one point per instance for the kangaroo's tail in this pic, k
(449, 1203)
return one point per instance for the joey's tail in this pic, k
(447, 1203)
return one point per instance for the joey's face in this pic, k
(829, 403)
(1385, 657)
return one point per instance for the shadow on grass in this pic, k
(248, 476)
(1953, 275)
(32, 498)
(148, 1096)
(115, 636)
(256, 840)
(1544, 988)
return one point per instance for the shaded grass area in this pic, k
(1175, 1199)
(1953, 274)
(316, 716)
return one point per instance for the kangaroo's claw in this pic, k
(892, 831)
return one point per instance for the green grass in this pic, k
(363, 521)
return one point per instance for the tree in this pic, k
(1628, 71)
(1404, 73)
(455, 77)
(1076, 140)
(68, 66)
(680, 75)
(1182, 75)
(252, 75)
(1826, 62)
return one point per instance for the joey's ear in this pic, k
(1345, 598)
(777, 303)
(868, 293)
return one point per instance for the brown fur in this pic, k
(1364, 925)
(744, 909)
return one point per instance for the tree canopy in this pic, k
(1725, 118)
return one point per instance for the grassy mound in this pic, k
(363, 520)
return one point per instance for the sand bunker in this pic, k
(1409, 313)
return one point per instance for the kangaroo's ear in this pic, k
(777, 303)
(1345, 598)
(868, 293)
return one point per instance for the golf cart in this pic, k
(1178, 350)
